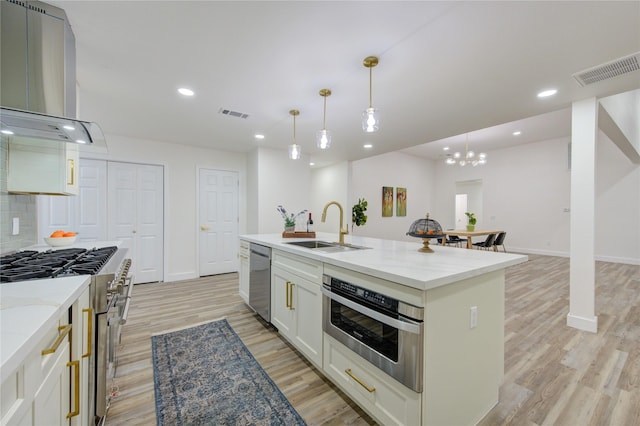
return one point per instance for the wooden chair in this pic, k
(500, 242)
(486, 244)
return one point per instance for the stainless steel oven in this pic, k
(385, 331)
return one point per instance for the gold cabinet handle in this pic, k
(204, 228)
(353, 376)
(76, 386)
(72, 170)
(291, 297)
(287, 303)
(89, 312)
(64, 329)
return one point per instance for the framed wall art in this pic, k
(387, 201)
(401, 201)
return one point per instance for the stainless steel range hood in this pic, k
(34, 125)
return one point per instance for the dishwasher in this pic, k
(260, 280)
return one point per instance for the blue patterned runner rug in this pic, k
(205, 375)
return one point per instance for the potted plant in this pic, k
(471, 225)
(289, 218)
(358, 218)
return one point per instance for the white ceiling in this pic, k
(446, 68)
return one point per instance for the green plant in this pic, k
(471, 217)
(289, 219)
(357, 212)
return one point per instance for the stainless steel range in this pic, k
(110, 291)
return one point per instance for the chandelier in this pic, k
(469, 157)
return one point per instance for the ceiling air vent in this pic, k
(231, 113)
(609, 70)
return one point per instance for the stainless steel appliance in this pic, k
(384, 331)
(260, 280)
(108, 268)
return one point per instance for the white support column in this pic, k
(584, 132)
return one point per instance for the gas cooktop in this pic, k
(29, 265)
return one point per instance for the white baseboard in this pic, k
(582, 323)
(601, 258)
(182, 276)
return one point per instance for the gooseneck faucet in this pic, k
(344, 231)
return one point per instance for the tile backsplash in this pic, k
(13, 206)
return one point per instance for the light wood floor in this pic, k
(554, 375)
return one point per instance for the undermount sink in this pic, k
(325, 246)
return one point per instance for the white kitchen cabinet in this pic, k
(42, 166)
(42, 390)
(39, 391)
(296, 302)
(82, 351)
(243, 273)
(386, 399)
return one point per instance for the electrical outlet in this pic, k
(473, 317)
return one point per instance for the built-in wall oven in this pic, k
(386, 332)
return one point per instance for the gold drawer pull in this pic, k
(291, 297)
(65, 329)
(286, 296)
(89, 312)
(76, 388)
(370, 389)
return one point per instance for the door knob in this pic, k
(204, 228)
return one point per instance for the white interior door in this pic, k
(461, 209)
(86, 213)
(218, 216)
(135, 216)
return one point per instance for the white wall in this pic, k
(180, 164)
(330, 184)
(280, 181)
(396, 170)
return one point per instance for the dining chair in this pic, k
(459, 242)
(500, 241)
(488, 242)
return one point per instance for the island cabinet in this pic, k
(243, 273)
(296, 302)
(385, 399)
(47, 387)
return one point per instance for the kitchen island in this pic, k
(461, 292)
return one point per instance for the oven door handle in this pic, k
(125, 312)
(404, 325)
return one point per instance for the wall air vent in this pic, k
(231, 113)
(608, 70)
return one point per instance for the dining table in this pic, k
(469, 235)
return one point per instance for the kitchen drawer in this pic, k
(244, 247)
(19, 389)
(301, 266)
(385, 399)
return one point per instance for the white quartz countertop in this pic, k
(28, 309)
(399, 261)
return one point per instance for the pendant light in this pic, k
(323, 137)
(294, 150)
(469, 157)
(370, 116)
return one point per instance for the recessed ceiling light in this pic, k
(6, 132)
(186, 92)
(367, 146)
(312, 164)
(546, 93)
(69, 127)
(80, 141)
(258, 136)
(446, 148)
(517, 132)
